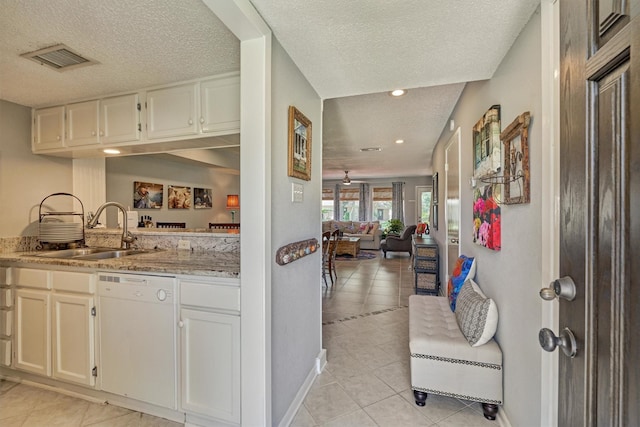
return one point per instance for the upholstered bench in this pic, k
(443, 360)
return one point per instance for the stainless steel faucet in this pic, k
(127, 237)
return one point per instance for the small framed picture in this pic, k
(299, 164)
(147, 195)
(179, 197)
(202, 198)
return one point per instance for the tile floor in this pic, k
(367, 380)
(365, 383)
(26, 406)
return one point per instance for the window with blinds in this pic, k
(382, 202)
(327, 204)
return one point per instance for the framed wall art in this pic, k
(486, 143)
(299, 164)
(147, 195)
(179, 197)
(202, 198)
(487, 228)
(516, 160)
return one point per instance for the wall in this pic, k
(295, 290)
(411, 182)
(25, 178)
(512, 276)
(123, 171)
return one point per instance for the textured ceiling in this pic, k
(139, 43)
(366, 46)
(363, 47)
(344, 48)
(378, 120)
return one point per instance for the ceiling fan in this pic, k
(346, 180)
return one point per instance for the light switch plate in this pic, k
(297, 192)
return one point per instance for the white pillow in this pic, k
(477, 315)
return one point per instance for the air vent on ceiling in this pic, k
(59, 57)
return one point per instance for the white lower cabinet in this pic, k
(73, 338)
(33, 331)
(54, 312)
(210, 350)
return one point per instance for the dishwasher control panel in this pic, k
(138, 287)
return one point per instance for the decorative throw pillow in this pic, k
(477, 315)
(363, 228)
(464, 269)
(373, 227)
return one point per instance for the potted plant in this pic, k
(394, 226)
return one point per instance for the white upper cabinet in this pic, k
(48, 128)
(206, 107)
(83, 123)
(120, 119)
(172, 111)
(220, 104)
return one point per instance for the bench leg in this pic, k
(420, 396)
(490, 411)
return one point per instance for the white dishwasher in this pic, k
(136, 315)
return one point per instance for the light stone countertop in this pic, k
(197, 263)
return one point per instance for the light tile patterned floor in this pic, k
(26, 406)
(365, 383)
(366, 333)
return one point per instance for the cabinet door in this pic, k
(120, 119)
(82, 123)
(33, 331)
(211, 364)
(48, 128)
(220, 105)
(73, 338)
(172, 111)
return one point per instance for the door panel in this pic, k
(452, 197)
(599, 211)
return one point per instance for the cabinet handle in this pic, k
(180, 324)
(190, 122)
(93, 133)
(58, 137)
(101, 133)
(201, 120)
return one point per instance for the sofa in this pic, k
(453, 353)
(369, 232)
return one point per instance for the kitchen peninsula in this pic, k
(66, 323)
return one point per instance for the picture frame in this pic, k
(178, 197)
(202, 198)
(486, 144)
(299, 162)
(147, 195)
(516, 160)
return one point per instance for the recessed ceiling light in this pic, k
(371, 149)
(111, 151)
(399, 141)
(398, 92)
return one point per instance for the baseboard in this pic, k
(320, 363)
(502, 419)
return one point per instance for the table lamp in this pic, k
(233, 202)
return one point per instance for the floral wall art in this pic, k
(486, 216)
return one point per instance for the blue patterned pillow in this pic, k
(464, 269)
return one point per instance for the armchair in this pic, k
(398, 244)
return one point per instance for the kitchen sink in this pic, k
(93, 253)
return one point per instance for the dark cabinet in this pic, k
(426, 265)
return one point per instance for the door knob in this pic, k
(566, 341)
(563, 287)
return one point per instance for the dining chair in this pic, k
(326, 246)
(333, 248)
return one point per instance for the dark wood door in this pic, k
(600, 211)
